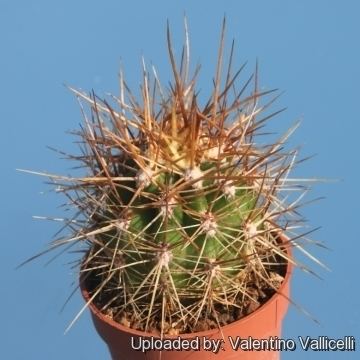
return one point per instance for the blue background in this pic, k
(308, 48)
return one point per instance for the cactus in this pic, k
(182, 207)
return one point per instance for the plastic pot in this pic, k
(263, 323)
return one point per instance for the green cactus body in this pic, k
(187, 226)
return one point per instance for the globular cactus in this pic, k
(182, 209)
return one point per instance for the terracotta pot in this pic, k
(264, 323)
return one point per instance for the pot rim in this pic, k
(207, 333)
